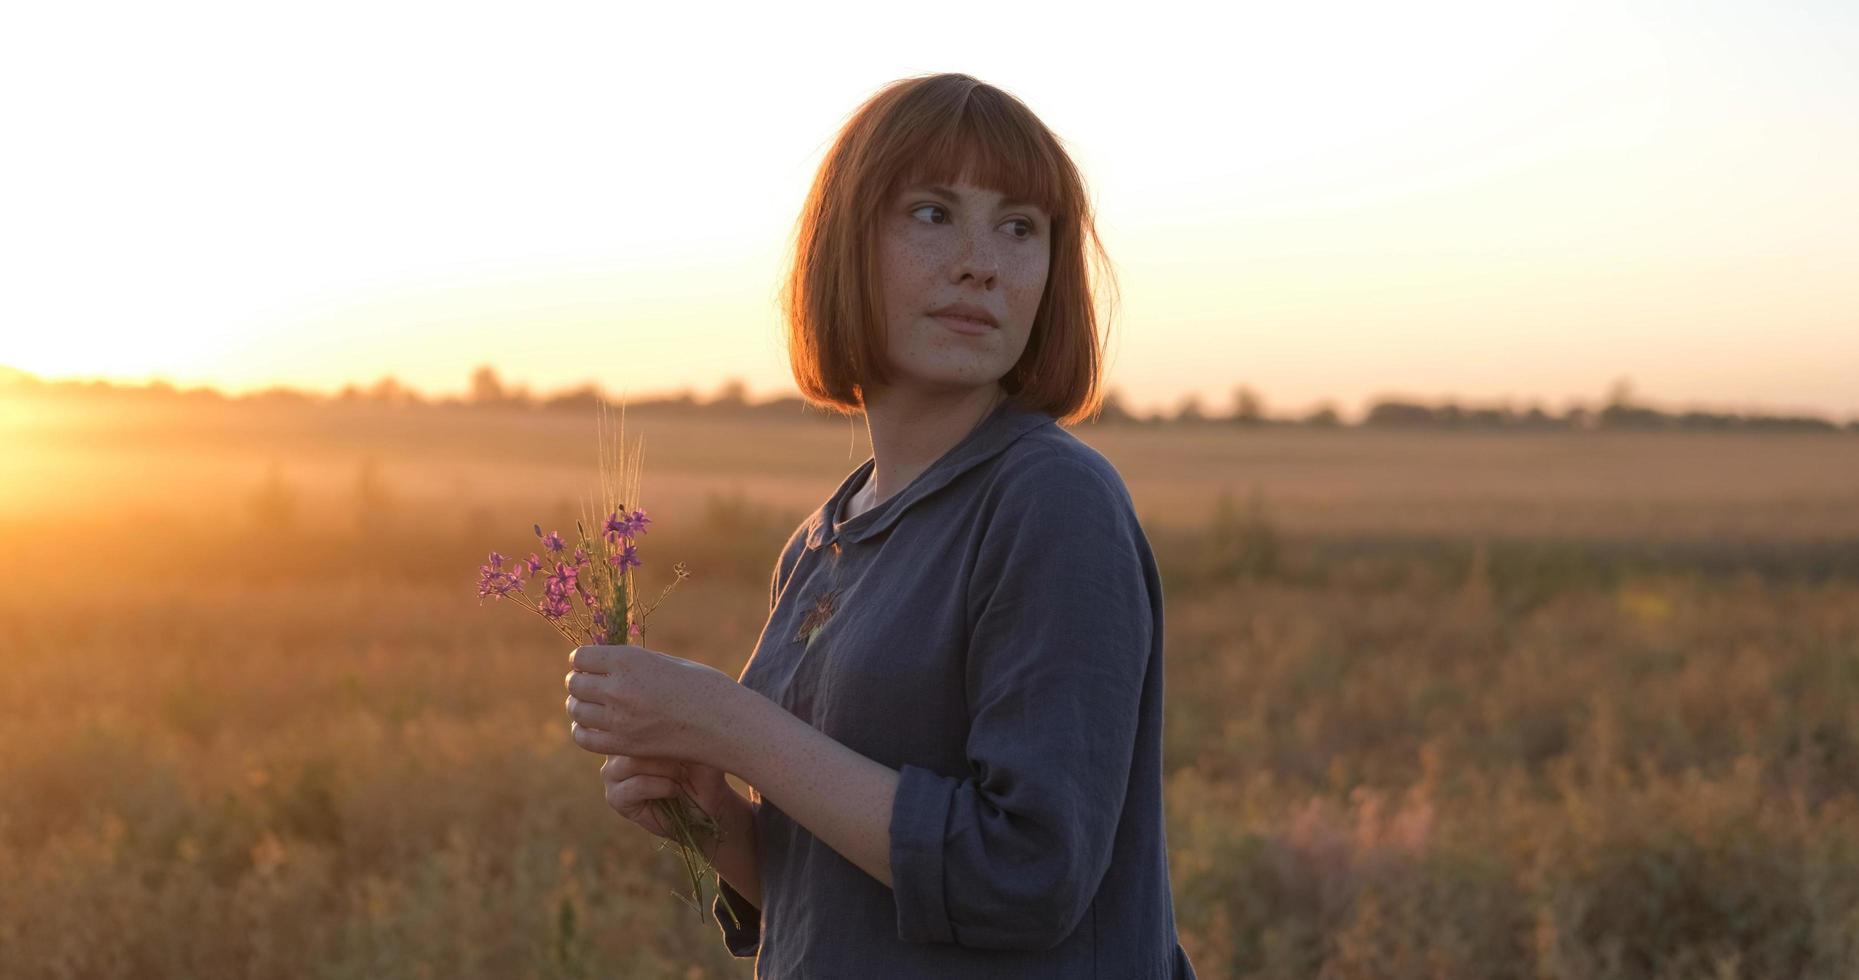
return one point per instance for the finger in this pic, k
(621, 767)
(590, 714)
(644, 814)
(595, 740)
(640, 790)
(584, 711)
(585, 686)
(591, 659)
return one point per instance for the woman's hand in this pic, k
(627, 700)
(632, 783)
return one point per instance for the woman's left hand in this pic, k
(628, 700)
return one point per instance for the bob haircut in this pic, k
(938, 128)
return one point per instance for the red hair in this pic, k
(939, 128)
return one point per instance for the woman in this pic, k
(952, 720)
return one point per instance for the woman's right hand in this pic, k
(633, 782)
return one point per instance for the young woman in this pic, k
(952, 720)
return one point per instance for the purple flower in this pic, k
(561, 581)
(617, 529)
(625, 558)
(492, 580)
(494, 584)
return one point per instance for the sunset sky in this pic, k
(1473, 200)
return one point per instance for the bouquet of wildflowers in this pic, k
(599, 573)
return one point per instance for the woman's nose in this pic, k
(975, 256)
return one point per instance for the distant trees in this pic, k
(586, 397)
(486, 387)
(1190, 409)
(1621, 408)
(1398, 413)
(1620, 411)
(488, 391)
(733, 394)
(387, 391)
(1324, 416)
(1248, 406)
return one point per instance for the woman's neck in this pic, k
(909, 432)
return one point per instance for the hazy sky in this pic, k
(1316, 200)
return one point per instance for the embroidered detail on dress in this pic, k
(816, 618)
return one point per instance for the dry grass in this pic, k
(1439, 706)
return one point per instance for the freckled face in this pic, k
(962, 244)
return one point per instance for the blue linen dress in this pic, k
(994, 632)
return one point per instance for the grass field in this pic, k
(1577, 705)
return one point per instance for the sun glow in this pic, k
(1453, 198)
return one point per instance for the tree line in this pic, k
(1621, 409)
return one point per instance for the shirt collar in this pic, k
(1008, 422)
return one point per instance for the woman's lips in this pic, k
(962, 324)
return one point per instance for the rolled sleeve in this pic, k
(1011, 854)
(919, 814)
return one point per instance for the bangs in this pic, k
(989, 146)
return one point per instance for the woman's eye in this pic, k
(1030, 231)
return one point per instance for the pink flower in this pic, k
(494, 584)
(553, 608)
(553, 542)
(561, 581)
